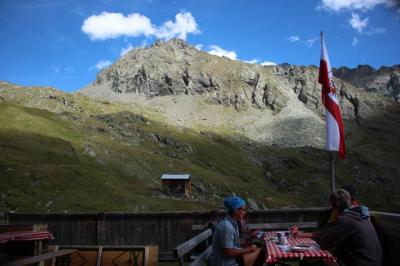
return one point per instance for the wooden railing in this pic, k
(387, 226)
(169, 229)
(165, 229)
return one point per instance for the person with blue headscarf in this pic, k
(225, 245)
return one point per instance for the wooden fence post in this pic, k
(100, 229)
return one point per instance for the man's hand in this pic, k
(233, 252)
(251, 248)
(314, 234)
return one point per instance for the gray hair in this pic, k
(340, 199)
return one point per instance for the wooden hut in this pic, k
(177, 184)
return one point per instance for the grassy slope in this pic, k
(45, 163)
(103, 157)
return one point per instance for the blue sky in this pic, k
(64, 43)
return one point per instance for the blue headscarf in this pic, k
(232, 203)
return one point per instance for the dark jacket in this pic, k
(354, 238)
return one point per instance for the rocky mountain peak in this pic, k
(383, 80)
(174, 42)
(176, 68)
(189, 88)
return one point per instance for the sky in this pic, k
(65, 43)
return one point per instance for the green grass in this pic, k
(106, 158)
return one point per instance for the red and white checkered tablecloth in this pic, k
(275, 253)
(25, 236)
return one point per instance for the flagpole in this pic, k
(322, 37)
(332, 170)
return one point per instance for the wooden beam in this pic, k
(197, 227)
(99, 254)
(43, 257)
(275, 226)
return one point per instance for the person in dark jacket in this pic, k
(352, 234)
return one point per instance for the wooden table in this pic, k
(277, 253)
(25, 236)
(22, 243)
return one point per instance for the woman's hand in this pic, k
(254, 233)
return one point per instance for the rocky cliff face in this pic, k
(175, 68)
(385, 80)
(263, 103)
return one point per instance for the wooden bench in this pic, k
(183, 249)
(43, 257)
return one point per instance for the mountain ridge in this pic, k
(173, 73)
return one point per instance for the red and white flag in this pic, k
(334, 124)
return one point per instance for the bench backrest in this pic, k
(184, 248)
(200, 260)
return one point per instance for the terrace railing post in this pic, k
(332, 170)
(100, 229)
(4, 218)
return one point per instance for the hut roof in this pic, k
(180, 176)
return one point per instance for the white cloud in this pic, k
(144, 44)
(55, 68)
(268, 63)
(184, 24)
(128, 48)
(357, 23)
(59, 69)
(294, 38)
(363, 6)
(310, 42)
(373, 31)
(113, 25)
(216, 50)
(253, 61)
(102, 64)
(338, 5)
(355, 41)
(198, 47)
